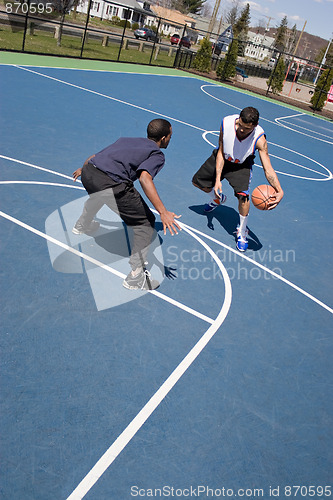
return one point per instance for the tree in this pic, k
(329, 55)
(281, 35)
(276, 79)
(323, 86)
(63, 7)
(241, 29)
(188, 6)
(227, 67)
(202, 60)
(291, 40)
(230, 16)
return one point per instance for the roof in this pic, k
(172, 15)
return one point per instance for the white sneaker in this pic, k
(209, 207)
(92, 228)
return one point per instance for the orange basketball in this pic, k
(260, 196)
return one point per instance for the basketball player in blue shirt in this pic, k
(108, 178)
(240, 136)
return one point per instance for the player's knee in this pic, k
(243, 198)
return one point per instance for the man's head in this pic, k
(250, 115)
(159, 131)
(247, 121)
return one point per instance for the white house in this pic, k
(132, 10)
(259, 47)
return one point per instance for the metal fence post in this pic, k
(86, 27)
(25, 26)
(152, 52)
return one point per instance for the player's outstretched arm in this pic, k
(269, 173)
(167, 218)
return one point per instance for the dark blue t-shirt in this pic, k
(127, 157)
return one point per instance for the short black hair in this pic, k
(250, 115)
(158, 128)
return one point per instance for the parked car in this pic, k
(185, 41)
(174, 40)
(272, 62)
(146, 34)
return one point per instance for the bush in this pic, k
(135, 26)
(122, 23)
(277, 77)
(227, 67)
(203, 58)
(323, 86)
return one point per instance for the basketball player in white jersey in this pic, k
(240, 136)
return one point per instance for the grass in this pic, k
(43, 42)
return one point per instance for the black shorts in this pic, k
(237, 174)
(122, 198)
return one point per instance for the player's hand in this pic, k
(77, 174)
(168, 221)
(275, 199)
(218, 189)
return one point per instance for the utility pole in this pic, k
(213, 18)
(323, 60)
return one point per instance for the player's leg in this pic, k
(93, 181)
(136, 214)
(204, 179)
(239, 177)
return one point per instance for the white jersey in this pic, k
(235, 150)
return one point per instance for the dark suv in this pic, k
(146, 34)
(185, 41)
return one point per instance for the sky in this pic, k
(318, 14)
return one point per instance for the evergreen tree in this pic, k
(323, 86)
(227, 67)
(329, 55)
(276, 79)
(202, 60)
(241, 29)
(281, 35)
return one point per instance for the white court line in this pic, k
(103, 266)
(135, 425)
(300, 126)
(275, 122)
(266, 269)
(225, 246)
(43, 184)
(111, 98)
(296, 176)
(36, 167)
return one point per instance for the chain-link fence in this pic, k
(108, 31)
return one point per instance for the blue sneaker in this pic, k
(209, 207)
(241, 240)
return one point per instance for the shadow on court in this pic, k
(228, 218)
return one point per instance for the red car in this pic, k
(183, 42)
(174, 39)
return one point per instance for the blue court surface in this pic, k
(216, 385)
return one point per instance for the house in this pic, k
(202, 26)
(132, 10)
(258, 46)
(173, 21)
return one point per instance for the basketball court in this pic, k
(216, 384)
